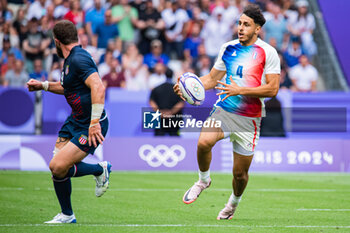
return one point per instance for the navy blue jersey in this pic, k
(78, 66)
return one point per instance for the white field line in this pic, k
(173, 190)
(303, 174)
(340, 210)
(169, 225)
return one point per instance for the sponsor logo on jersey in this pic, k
(83, 139)
(234, 53)
(67, 70)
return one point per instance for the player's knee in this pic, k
(58, 169)
(205, 144)
(240, 175)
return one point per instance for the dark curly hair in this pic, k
(65, 32)
(253, 11)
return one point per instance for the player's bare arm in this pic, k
(54, 87)
(270, 89)
(209, 81)
(97, 100)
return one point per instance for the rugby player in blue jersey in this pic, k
(87, 125)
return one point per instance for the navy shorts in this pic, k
(79, 135)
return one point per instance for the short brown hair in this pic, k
(65, 32)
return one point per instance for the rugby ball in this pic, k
(192, 88)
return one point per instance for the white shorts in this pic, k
(243, 131)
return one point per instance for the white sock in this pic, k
(234, 200)
(204, 176)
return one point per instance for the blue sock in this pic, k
(63, 189)
(83, 169)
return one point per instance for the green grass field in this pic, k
(152, 202)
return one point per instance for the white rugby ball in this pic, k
(192, 88)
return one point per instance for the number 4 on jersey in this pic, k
(239, 71)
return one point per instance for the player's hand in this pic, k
(229, 89)
(95, 135)
(34, 85)
(177, 90)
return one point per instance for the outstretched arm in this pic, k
(270, 89)
(97, 105)
(54, 87)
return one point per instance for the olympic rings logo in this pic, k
(162, 155)
(196, 89)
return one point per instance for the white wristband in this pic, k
(96, 111)
(45, 85)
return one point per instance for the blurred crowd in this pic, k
(136, 43)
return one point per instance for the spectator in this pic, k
(115, 78)
(10, 34)
(288, 8)
(126, 17)
(20, 25)
(94, 17)
(156, 55)
(198, 17)
(230, 14)
(37, 9)
(304, 76)
(46, 26)
(139, 5)
(105, 67)
(157, 77)
(61, 8)
(205, 6)
(84, 42)
(10, 65)
(285, 82)
(151, 25)
(164, 99)
(192, 43)
(14, 6)
(87, 5)
(203, 65)
(6, 50)
(215, 32)
(105, 31)
(115, 45)
(34, 45)
(135, 71)
(50, 9)
(293, 52)
(276, 27)
(75, 14)
(16, 77)
(302, 23)
(39, 73)
(175, 19)
(6, 15)
(56, 71)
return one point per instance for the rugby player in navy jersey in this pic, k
(87, 125)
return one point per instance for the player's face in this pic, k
(58, 48)
(247, 29)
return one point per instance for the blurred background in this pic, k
(141, 47)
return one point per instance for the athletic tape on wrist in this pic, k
(96, 112)
(45, 85)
